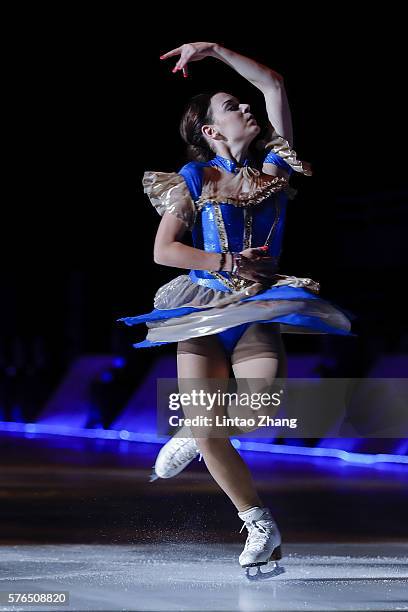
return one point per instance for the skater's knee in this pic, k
(252, 397)
(253, 407)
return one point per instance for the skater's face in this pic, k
(233, 122)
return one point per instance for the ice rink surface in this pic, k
(206, 576)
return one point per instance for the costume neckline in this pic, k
(229, 164)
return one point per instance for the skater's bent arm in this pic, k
(268, 81)
(256, 73)
(170, 251)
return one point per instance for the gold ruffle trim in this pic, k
(259, 186)
(248, 187)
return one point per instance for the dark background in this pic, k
(92, 107)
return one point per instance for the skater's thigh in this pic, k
(259, 364)
(202, 357)
(260, 354)
(203, 366)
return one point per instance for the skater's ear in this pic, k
(211, 132)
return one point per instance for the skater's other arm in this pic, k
(170, 251)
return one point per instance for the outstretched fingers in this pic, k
(175, 51)
(182, 62)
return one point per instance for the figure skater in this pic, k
(230, 309)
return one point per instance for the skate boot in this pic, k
(175, 455)
(263, 543)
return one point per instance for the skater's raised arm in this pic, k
(267, 80)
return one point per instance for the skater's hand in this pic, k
(189, 52)
(254, 252)
(257, 267)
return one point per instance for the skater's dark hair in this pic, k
(197, 113)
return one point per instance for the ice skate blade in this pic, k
(275, 556)
(271, 571)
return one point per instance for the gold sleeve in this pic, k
(281, 147)
(169, 191)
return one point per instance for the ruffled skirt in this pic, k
(186, 309)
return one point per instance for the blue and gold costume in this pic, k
(228, 207)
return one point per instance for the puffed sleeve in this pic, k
(279, 152)
(169, 191)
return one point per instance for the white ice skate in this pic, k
(263, 543)
(175, 455)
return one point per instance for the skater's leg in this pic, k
(258, 359)
(205, 358)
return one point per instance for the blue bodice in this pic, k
(222, 227)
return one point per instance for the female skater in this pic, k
(231, 308)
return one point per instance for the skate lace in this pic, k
(184, 450)
(258, 534)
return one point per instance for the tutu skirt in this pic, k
(186, 309)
